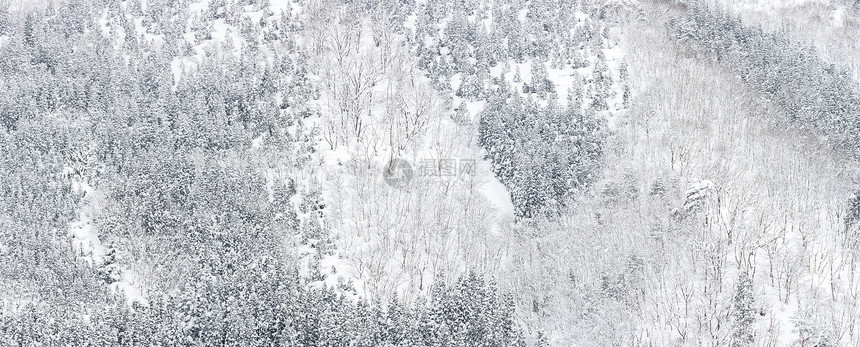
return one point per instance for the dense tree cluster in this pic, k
(469, 37)
(813, 92)
(40, 271)
(540, 153)
(260, 302)
(744, 312)
(175, 134)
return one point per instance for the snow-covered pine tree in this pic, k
(745, 312)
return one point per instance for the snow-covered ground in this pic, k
(86, 242)
(702, 180)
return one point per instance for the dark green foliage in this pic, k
(5, 21)
(541, 154)
(469, 313)
(814, 92)
(261, 302)
(40, 271)
(463, 44)
(182, 195)
(540, 83)
(744, 312)
(602, 84)
(471, 88)
(851, 220)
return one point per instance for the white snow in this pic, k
(85, 238)
(498, 195)
(127, 287)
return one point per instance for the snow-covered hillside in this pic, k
(429, 173)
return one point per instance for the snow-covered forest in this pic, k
(430, 173)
